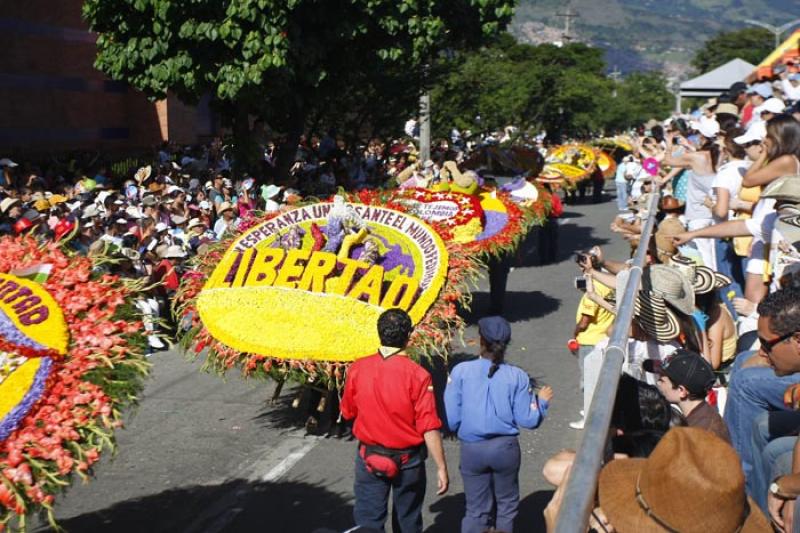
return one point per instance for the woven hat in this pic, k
(224, 206)
(704, 280)
(785, 189)
(143, 173)
(692, 481)
(6, 204)
(671, 285)
(655, 318)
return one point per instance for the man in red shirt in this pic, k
(391, 399)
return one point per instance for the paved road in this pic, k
(204, 455)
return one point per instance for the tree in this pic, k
(750, 44)
(285, 61)
(639, 97)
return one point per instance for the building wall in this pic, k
(52, 98)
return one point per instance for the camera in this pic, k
(580, 258)
(580, 283)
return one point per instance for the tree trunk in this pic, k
(288, 149)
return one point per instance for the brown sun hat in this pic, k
(693, 481)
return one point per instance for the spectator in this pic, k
(684, 379)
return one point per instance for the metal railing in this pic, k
(580, 492)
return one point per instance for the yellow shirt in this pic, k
(600, 319)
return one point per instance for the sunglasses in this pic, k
(767, 346)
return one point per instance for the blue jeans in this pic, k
(730, 264)
(622, 196)
(490, 471)
(770, 441)
(751, 392)
(372, 497)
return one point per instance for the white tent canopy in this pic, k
(718, 80)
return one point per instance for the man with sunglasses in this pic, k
(755, 411)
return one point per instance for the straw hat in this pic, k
(692, 481)
(6, 204)
(143, 173)
(224, 206)
(174, 252)
(785, 190)
(653, 315)
(704, 279)
(671, 285)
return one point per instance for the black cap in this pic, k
(737, 88)
(685, 368)
(495, 329)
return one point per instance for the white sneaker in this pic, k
(577, 425)
(155, 342)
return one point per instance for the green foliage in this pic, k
(750, 44)
(286, 61)
(562, 90)
(640, 97)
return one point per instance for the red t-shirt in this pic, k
(391, 400)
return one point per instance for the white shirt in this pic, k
(763, 220)
(792, 92)
(729, 176)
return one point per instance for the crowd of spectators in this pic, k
(705, 426)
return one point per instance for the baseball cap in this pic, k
(707, 127)
(763, 89)
(756, 132)
(684, 368)
(772, 105)
(494, 329)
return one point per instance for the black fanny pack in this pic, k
(386, 463)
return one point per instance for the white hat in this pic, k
(763, 89)
(707, 127)
(772, 105)
(194, 223)
(134, 212)
(6, 204)
(208, 185)
(161, 227)
(270, 191)
(121, 221)
(176, 166)
(91, 211)
(178, 219)
(174, 252)
(205, 204)
(172, 188)
(6, 162)
(757, 131)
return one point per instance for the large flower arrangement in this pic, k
(460, 213)
(433, 334)
(73, 404)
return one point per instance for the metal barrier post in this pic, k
(580, 492)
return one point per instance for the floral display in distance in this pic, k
(71, 358)
(435, 330)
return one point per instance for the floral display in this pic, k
(70, 360)
(461, 213)
(243, 276)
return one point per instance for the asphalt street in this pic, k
(202, 454)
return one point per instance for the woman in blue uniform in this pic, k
(487, 401)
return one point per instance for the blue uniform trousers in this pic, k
(372, 497)
(490, 470)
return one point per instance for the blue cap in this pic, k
(764, 89)
(494, 329)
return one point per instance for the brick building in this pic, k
(52, 98)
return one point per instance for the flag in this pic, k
(38, 273)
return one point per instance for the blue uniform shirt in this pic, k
(481, 408)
